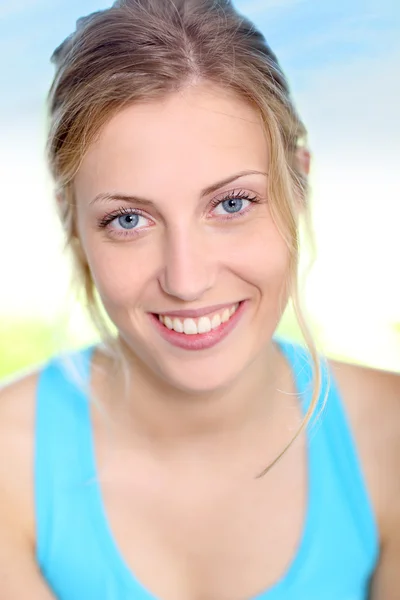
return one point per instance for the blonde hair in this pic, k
(143, 50)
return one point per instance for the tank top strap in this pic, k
(62, 439)
(331, 445)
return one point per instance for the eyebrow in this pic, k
(205, 192)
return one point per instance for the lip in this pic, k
(197, 313)
(200, 341)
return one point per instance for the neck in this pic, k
(167, 417)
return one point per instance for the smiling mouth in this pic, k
(201, 325)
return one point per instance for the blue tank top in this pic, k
(78, 555)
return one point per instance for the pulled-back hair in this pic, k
(143, 50)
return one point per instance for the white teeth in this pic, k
(216, 321)
(189, 327)
(168, 323)
(177, 325)
(204, 325)
(198, 326)
(225, 316)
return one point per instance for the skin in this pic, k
(194, 416)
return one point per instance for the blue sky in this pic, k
(342, 59)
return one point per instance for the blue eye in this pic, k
(129, 221)
(232, 206)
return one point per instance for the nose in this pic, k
(189, 269)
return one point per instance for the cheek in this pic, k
(266, 263)
(120, 272)
(262, 257)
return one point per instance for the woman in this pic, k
(174, 461)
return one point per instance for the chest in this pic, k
(191, 536)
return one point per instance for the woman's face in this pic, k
(174, 218)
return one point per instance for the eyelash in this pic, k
(120, 212)
(234, 195)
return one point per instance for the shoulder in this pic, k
(17, 418)
(371, 399)
(17, 409)
(17, 405)
(19, 573)
(19, 413)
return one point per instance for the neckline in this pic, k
(108, 543)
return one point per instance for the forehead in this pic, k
(196, 137)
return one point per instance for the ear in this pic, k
(303, 159)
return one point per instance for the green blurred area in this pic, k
(24, 344)
(28, 343)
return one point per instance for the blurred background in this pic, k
(343, 61)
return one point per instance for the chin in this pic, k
(192, 373)
(202, 376)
